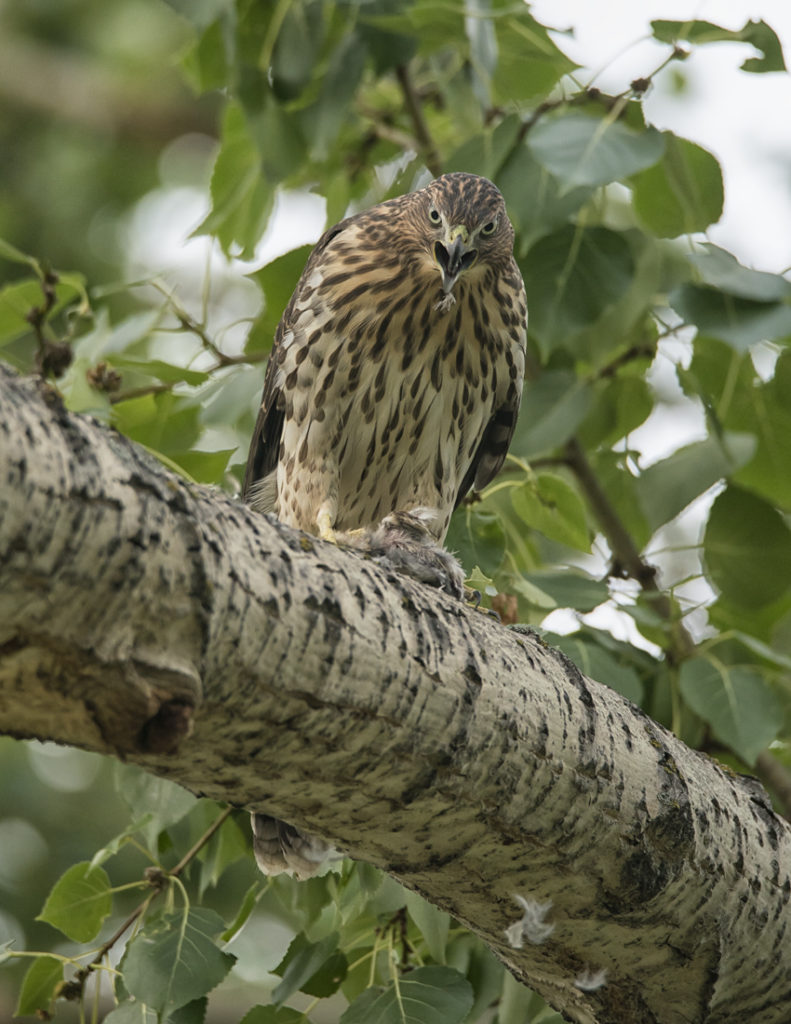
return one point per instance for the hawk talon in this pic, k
(474, 598)
(324, 523)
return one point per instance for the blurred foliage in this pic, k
(358, 101)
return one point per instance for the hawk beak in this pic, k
(454, 256)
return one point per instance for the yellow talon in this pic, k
(324, 523)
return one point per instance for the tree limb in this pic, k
(169, 625)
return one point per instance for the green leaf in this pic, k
(79, 902)
(518, 1005)
(571, 588)
(146, 794)
(387, 49)
(758, 33)
(361, 884)
(277, 280)
(323, 121)
(424, 996)
(204, 467)
(485, 152)
(111, 849)
(251, 897)
(38, 986)
(165, 423)
(10, 252)
(668, 486)
(717, 268)
(747, 549)
(433, 924)
(226, 847)
(726, 382)
(528, 63)
(205, 62)
(572, 277)
(738, 305)
(682, 193)
(161, 370)
(770, 417)
(241, 197)
(736, 701)
(435, 26)
(476, 536)
(274, 1015)
(619, 405)
(485, 973)
(534, 595)
(297, 49)
(280, 140)
(738, 321)
(613, 473)
(193, 1012)
(317, 968)
(198, 12)
(547, 503)
(553, 407)
(18, 299)
(478, 580)
(598, 664)
(536, 202)
(132, 1012)
(174, 959)
(582, 150)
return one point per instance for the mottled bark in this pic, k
(143, 617)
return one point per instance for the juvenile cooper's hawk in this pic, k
(393, 388)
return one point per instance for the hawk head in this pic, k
(465, 226)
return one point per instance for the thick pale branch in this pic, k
(170, 625)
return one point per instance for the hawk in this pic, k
(392, 389)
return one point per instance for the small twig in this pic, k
(415, 110)
(189, 324)
(53, 357)
(83, 973)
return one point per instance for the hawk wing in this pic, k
(259, 487)
(490, 454)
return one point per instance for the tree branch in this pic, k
(414, 108)
(144, 617)
(627, 560)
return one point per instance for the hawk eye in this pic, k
(490, 228)
(434, 216)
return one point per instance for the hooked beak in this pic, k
(454, 256)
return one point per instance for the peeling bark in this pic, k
(169, 625)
